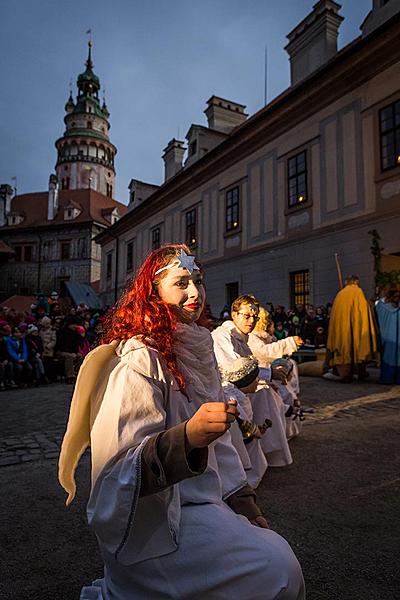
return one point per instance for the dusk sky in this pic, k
(159, 62)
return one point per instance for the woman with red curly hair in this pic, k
(169, 497)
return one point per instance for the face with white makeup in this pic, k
(184, 292)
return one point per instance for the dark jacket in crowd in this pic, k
(34, 345)
(3, 350)
(67, 341)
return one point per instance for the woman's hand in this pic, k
(260, 522)
(210, 422)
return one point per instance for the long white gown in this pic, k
(183, 543)
(230, 344)
(266, 349)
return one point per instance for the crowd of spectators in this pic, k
(306, 321)
(46, 343)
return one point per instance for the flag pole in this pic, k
(338, 270)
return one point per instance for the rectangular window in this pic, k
(155, 238)
(82, 248)
(297, 179)
(300, 287)
(108, 265)
(231, 292)
(18, 253)
(191, 235)
(27, 253)
(47, 250)
(232, 209)
(389, 128)
(129, 257)
(65, 250)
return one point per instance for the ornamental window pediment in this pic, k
(71, 212)
(14, 218)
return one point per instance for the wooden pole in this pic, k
(339, 270)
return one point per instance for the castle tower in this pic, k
(85, 156)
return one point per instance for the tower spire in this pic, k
(89, 62)
(85, 155)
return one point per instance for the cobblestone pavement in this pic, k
(32, 423)
(33, 420)
(337, 504)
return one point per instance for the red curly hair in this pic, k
(141, 312)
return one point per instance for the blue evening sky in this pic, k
(159, 61)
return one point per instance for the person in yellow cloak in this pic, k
(351, 337)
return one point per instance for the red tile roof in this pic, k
(20, 303)
(5, 248)
(91, 203)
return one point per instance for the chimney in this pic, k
(224, 115)
(381, 12)
(52, 202)
(314, 41)
(6, 194)
(173, 158)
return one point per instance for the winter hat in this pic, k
(45, 321)
(32, 328)
(80, 329)
(242, 371)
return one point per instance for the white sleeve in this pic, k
(223, 348)
(269, 352)
(132, 409)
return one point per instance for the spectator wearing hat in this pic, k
(35, 353)
(84, 344)
(67, 348)
(48, 336)
(18, 355)
(53, 302)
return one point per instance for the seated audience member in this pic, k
(67, 348)
(48, 337)
(320, 337)
(35, 353)
(18, 354)
(6, 368)
(309, 326)
(84, 344)
(280, 332)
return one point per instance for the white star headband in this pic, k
(183, 261)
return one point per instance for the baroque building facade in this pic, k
(266, 202)
(48, 237)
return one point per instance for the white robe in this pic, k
(230, 344)
(266, 351)
(183, 543)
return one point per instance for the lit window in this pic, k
(232, 209)
(297, 179)
(191, 235)
(300, 287)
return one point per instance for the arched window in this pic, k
(89, 125)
